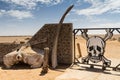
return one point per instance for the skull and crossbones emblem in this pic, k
(96, 48)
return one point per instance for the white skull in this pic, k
(95, 48)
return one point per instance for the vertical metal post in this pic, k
(74, 46)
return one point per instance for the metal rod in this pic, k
(117, 30)
(76, 31)
(95, 28)
(74, 45)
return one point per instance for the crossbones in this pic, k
(96, 48)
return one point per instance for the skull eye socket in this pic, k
(98, 48)
(90, 48)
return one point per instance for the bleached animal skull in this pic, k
(95, 48)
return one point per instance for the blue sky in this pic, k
(26, 17)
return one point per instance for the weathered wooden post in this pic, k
(46, 58)
(79, 50)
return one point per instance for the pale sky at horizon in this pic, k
(26, 17)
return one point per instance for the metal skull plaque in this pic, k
(96, 48)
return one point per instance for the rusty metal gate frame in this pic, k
(75, 31)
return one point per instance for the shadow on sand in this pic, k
(60, 68)
(98, 70)
(18, 66)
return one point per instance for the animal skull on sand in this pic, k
(26, 54)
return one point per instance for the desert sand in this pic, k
(23, 72)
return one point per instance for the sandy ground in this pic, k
(84, 72)
(23, 72)
(10, 39)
